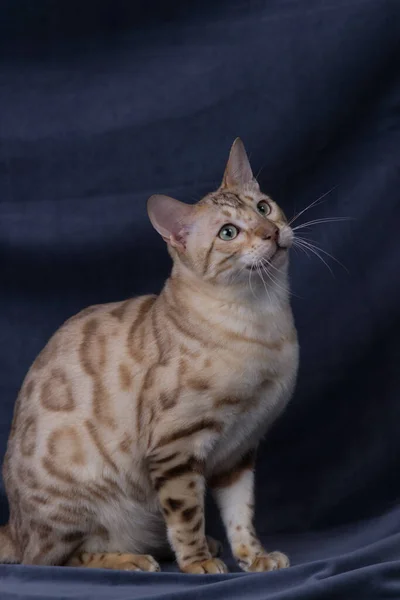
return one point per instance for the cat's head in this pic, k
(231, 233)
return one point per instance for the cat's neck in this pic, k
(251, 296)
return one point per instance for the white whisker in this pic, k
(300, 245)
(317, 201)
(318, 248)
(271, 265)
(266, 265)
(236, 274)
(296, 246)
(322, 220)
(262, 279)
(251, 287)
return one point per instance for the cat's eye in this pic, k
(263, 208)
(228, 232)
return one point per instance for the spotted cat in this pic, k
(134, 407)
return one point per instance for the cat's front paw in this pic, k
(267, 562)
(211, 565)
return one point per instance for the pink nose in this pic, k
(268, 231)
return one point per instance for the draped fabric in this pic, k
(103, 104)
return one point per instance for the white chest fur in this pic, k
(246, 426)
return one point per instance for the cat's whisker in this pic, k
(312, 243)
(235, 275)
(311, 249)
(266, 265)
(269, 275)
(320, 221)
(259, 173)
(296, 246)
(284, 288)
(271, 265)
(251, 287)
(319, 249)
(311, 205)
(259, 269)
(275, 280)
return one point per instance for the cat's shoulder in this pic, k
(101, 319)
(112, 312)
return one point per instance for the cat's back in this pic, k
(90, 339)
(76, 375)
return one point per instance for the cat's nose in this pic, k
(268, 231)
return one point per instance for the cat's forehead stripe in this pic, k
(227, 199)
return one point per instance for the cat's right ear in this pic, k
(238, 173)
(171, 218)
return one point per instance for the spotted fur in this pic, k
(132, 408)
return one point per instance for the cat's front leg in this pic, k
(180, 484)
(234, 493)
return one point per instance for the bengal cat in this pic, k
(134, 407)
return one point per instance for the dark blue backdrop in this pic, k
(103, 104)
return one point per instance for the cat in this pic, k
(133, 407)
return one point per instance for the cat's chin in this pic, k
(279, 257)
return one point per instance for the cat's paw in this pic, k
(214, 546)
(123, 561)
(267, 562)
(211, 565)
(140, 562)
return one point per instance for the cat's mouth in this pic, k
(279, 251)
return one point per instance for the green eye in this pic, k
(228, 232)
(263, 208)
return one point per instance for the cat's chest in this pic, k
(244, 430)
(255, 396)
(251, 377)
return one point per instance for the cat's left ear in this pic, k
(238, 173)
(171, 218)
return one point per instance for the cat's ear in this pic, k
(238, 173)
(171, 218)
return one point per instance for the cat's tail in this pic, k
(8, 550)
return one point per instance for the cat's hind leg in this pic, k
(47, 546)
(44, 546)
(114, 560)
